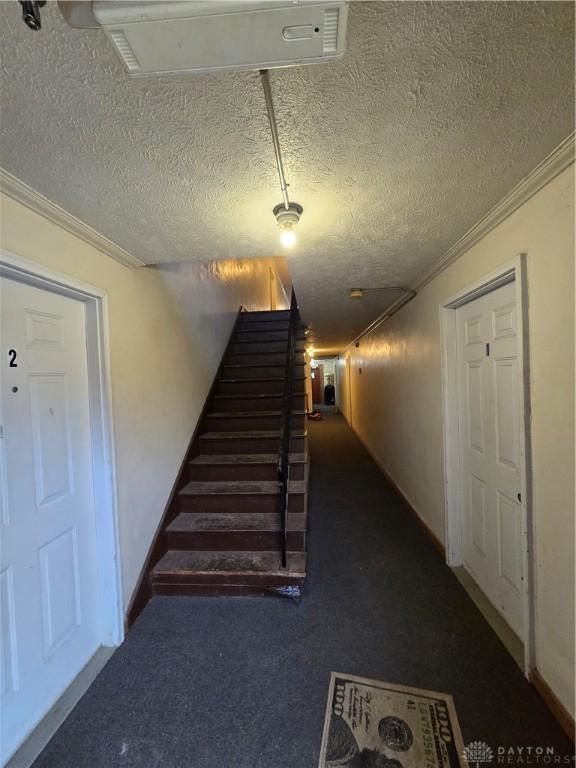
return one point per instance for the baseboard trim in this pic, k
(402, 496)
(553, 703)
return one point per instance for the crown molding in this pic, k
(22, 193)
(556, 162)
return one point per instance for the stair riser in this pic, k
(244, 336)
(239, 424)
(263, 372)
(238, 504)
(278, 326)
(247, 541)
(258, 387)
(215, 590)
(263, 347)
(267, 315)
(174, 581)
(269, 358)
(272, 403)
(247, 445)
(243, 472)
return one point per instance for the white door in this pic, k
(48, 570)
(489, 408)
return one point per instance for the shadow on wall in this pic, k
(207, 298)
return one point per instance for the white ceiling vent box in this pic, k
(154, 38)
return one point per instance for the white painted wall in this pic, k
(168, 329)
(397, 402)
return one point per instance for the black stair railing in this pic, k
(286, 428)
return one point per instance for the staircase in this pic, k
(223, 533)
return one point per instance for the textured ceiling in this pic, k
(435, 112)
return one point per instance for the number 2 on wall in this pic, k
(12, 358)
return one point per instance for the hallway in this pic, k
(242, 683)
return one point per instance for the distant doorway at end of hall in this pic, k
(324, 382)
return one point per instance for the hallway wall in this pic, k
(397, 402)
(168, 330)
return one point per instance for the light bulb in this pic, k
(288, 238)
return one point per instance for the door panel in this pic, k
(478, 513)
(60, 590)
(489, 387)
(9, 670)
(475, 406)
(510, 521)
(506, 413)
(49, 576)
(50, 438)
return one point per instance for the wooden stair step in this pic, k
(234, 521)
(249, 414)
(270, 314)
(248, 441)
(246, 458)
(249, 434)
(257, 334)
(243, 466)
(252, 396)
(251, 333)
(239, 488)
(261, 358)
(238, 496)
(270, 356)
(229, 566)
(258, 365)
(230, 421)
(260, 379)
(235, 531)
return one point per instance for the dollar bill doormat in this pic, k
(371, 724)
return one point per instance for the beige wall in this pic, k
(397, 402)
(168, 329)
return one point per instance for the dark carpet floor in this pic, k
(242, 682)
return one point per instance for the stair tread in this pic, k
(260, 378)
(248, 434)
(283, 332)
(238, 487)
(248, 414)
(249, 396)
(247, 353)
(234, 521)
(245, 458)
(276, 314)
(238, 339)
(202, 561)
(258, 365)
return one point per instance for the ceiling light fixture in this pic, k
(287, 214)
(356, 293)
(287, 219)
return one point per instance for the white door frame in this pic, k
(101, 429)
(513, 271)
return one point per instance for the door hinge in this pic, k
(488, 350)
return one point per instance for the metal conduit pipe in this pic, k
(274, 130)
